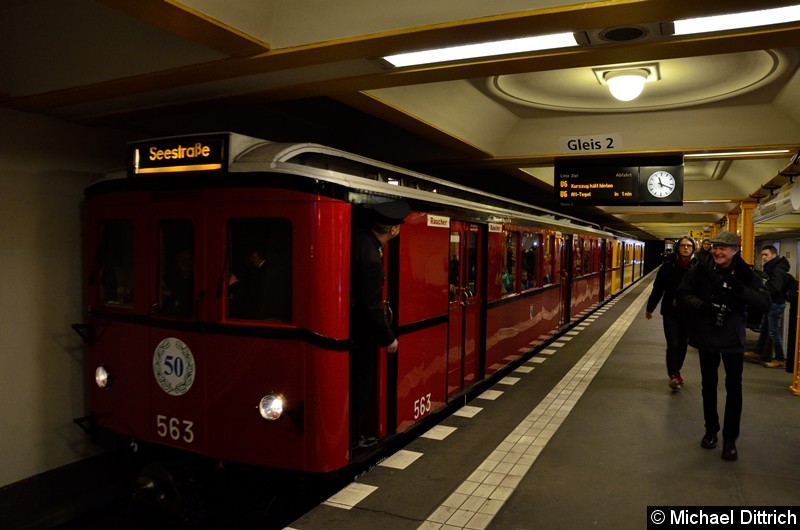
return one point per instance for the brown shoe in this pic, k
(775, 364)
(753, 357)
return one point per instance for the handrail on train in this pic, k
(298, 153)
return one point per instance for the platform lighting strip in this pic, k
(710, 201)
(749, 19)
(484, 49)
(737, 153)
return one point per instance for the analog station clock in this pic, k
(661, 184)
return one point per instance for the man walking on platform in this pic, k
(718, 298)
(676, 326)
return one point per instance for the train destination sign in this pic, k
(201, 153)
(620, 182)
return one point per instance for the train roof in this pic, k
(364, 178)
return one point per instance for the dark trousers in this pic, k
(771, 328)
(363, 391)
(709, 369)
(677, 335)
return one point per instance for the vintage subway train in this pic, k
(474, 282)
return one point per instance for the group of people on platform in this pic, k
(709, 297)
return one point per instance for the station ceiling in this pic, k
(311, 71)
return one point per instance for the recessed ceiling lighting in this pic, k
(737, 153)
(763, 17)
(710, 201)
(627, 82)
(626, 85)
(485, 49)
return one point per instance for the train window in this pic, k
(587, 256)
(577, 256)
(508, 278)
(176, 268)
(260, 279)
(115, 263)
(472, 262)
(531, 248)
(597, 257)
(455, 264)
(548, 257)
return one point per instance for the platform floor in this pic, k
(587, 434)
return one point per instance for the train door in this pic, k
(388, 368)
(419, 289)
(564, 244)
(601, 265)
(465, 306)
(175, 344)
(616, 268)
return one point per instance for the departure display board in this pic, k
(620, 181)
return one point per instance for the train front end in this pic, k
(217, 315)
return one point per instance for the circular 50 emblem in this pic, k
(173, 366)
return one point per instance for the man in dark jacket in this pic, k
(675, 324)
(776, 270)
(718, 298)
(368, 324)
(703, 254)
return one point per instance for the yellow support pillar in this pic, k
(748, 231)
(795, 386)
(733, 222)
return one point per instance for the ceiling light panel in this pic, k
(485, 49)
(764, 152)
(750, 19)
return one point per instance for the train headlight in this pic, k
(102, 377)
(271, 406)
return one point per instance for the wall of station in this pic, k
(44, 166)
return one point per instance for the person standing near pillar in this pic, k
(775, 269)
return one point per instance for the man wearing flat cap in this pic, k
(368, 325)
(718, 297)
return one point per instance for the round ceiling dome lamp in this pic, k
(626, 85)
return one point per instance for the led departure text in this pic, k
(177, 153)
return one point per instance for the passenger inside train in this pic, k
(259, 288)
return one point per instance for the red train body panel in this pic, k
(179, 357)
(516, 327)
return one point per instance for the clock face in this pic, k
(660, 184)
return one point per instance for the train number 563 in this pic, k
(422, 405)
(175, 428)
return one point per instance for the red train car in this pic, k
(180, 359)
